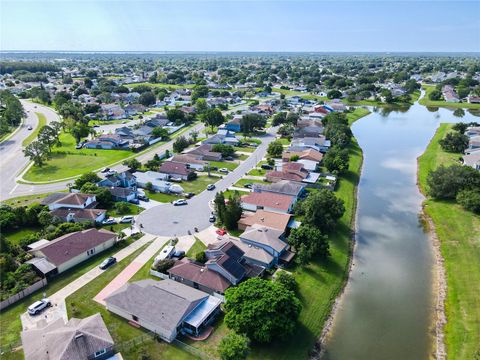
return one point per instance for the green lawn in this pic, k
(257, 172)
(15, 236)
(440, 103)
(164, 198)
(224, 164)
(10, 317)
(132, 210)
(42, 121)
(144, 272)
(284, 141)
(459, 234)
(26, 200)
(166, 86)
(67, 162)
(196, 248)
(244, 149)
(242, 182)
(357, 114)
(81, 304)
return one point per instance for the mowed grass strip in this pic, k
(459, 234)
(42, 121)
(425, 100)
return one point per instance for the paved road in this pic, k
(169, 220)
(12, 160)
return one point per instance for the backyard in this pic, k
(425, 100)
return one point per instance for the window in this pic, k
(134, 318)
(195, 285)
(100, 352)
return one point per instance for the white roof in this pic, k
(37, 244)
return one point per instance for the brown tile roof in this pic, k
(66, 247)
(189, 159)
(201, 275)
(80, 214)
(266, 218)
(309, 154)
(74, 199)
(271, 200)
(175, 168)
(290, 171)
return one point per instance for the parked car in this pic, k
(38, 306)
(189, 195)
(180, 202)
(229, 158)
(221, 232)
(143, 197)
(135, 201)
(110, 172)
(179, 254)
(108, 262)
(266, 167)
(105, 170)
(248, 186)
(210, 187)
(213, 168)
(223, 170)
(29, 127)
(96, 126)
(212, 218)
(126, 219)
(109, 221)
(79, 146)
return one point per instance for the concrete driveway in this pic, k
(169, 220)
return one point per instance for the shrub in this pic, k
(234, 347)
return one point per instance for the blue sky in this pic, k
(130, 25)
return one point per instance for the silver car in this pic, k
(38, 306)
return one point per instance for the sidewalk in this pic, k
(58, 310)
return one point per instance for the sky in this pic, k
(312, 26)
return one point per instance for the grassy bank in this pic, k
(42, 121)
(425, 100)
(459, 234)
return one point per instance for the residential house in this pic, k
(234, 124)
(79, 215)
(206, 153)
(134, 109)
(227, 138)
(270, 219)
(474, 143)
(285, 187)
(472, 99)
(290, 171)
(122, 194)
(308, 154)
(449, 94)
(69, 250)
(192, 161)
(312, 130)
(227, 261)
(112, 111)
(317, 143)
(255, 259)
(158, 182)
(269, 239)
(70, 200)
(124, 179)
(472, 159)
(175, 170)
(165, 307)
(268, 201)
(199, 277)
(473, 131)
(108, 142)
(86, 338)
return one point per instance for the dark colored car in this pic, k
(135, 201)
(189, 195)
(179, 254)
(108, 262)
(267, 167)
(248, 186)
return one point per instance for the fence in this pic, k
(192, 350)
(159, 274)
(25, 292)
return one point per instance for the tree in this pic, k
(176, 115)
(249, 123)
(279, 118)
(164, 265)
(132, 164)
(199, 91)
(48, 136)
(180, 144)
(201, 106)
(220, 207)
(149, 186)
(201, 257)
(160, 132)
(323, 209)
(80, 131)
(336, 159)
(275, 149)
(147, 98)
(470, 200)
(225, 150)
(261, 309)
(334, 94)
(89, 177)
(212, 118)
(45, 218)
(122, 207)
(37, 152)
(447, 182)
(234, 347)
(233, 212)
(287, 280)
(435, 95)
(292, 118)
(286, 130)
(310, 237)
(61, 97)
(102, 194)
(454, 142)
(194, 136)
(460, 127)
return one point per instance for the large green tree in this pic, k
(322, 209)
(212, 118)
(261, 309)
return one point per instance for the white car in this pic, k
(38, 306)
(223, 170)
(210, 187)
(126, 219)
(110, 173)
(109, 221)
(180, 202)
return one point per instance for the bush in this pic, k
(454, 142)
(164, 265)
(470, 200)
(201, 257)
(447, 182)
(234, 347)
(275, 149)
(122, 208)
(287, 280)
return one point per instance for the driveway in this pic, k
(169, 220)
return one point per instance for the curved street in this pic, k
(170, 220)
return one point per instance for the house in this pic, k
(286, 187)
(108, 142)
(192, 161)
(472, 159)
(290, 171)
(279, 203)
(474, 143)
(199, 277)
(75, 339)
(165, 307)
(227, 261)
(270, 219)
(79, 215)
(124, 179)
(318, 143)
(222, 138)
(234, 124)
(134, 109)
(125, 132)
(158, 182)
(206, 153)
(473, 131)
(449, 94)
(122, 194)
(268, 239)
(307, 154)
(255, 259)
(157, 122)
(112, 111)
(70, 200)
(71, 249)
(175, 170)
(313, 130)
(472, 99)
